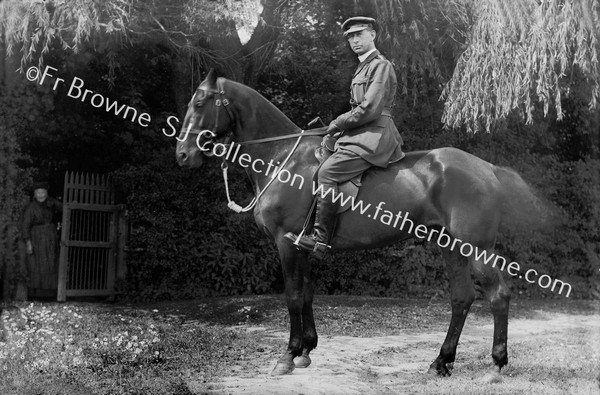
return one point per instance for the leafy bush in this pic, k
(13, 181)
(406, 269)
(185, 242)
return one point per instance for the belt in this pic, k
(387, 112)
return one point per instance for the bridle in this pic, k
(222, 101)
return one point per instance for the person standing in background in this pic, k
(39, 233)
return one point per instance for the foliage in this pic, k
(90, 348)
(519, 53)
(405, 270)
(184, 241)
(422, 38)
(61, 133)
(194, 348)
(13, 198)
(310, 65)
(204, 38)
(512, 52)
(34, 25)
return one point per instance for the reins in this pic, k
(224, 102)
(285, 136)
(236, 207)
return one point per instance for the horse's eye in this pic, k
(199, 103)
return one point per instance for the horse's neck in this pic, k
(257, 118)
(284, 162)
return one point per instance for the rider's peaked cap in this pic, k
(357, 23)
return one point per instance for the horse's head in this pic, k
(208, 118)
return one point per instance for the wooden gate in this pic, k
(93, 237)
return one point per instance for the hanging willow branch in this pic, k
(520, 52)
(415, 34)
(32, 26)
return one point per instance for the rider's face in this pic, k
(362, 41)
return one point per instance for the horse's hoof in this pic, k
(302, 361)
(283, 368)
(440, 370)
(493, 376)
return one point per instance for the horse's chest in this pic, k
(261, 222)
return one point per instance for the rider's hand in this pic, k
(328, 142)
(332, 128)
(29, 248)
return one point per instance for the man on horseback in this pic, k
(367, 133)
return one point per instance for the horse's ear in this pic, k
(211, 77)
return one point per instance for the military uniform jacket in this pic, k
(368, 128)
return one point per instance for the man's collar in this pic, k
(363, 57)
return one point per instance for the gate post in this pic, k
(61, 292)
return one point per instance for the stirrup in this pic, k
(319, 249)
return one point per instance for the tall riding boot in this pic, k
(318, 241)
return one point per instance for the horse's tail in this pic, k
(521, 205)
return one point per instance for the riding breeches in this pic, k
(341, 166)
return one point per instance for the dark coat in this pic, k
(368, 128)
(37, 213)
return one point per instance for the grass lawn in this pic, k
(205, 346)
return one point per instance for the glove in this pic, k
(328, 142)
(332, 128)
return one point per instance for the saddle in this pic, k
(348, 188)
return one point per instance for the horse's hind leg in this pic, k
(463, 295)
(497, 293)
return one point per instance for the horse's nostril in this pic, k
(182, 157)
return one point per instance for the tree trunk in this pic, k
(244, 63)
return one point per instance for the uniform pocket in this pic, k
(359, 88)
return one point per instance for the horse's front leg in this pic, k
(309, 332)
(294, 265)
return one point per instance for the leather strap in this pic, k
(285, 136)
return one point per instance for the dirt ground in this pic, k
(551, 350)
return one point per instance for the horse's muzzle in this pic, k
(182, 159)
(190, 160)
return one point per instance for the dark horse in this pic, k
(441, 189)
